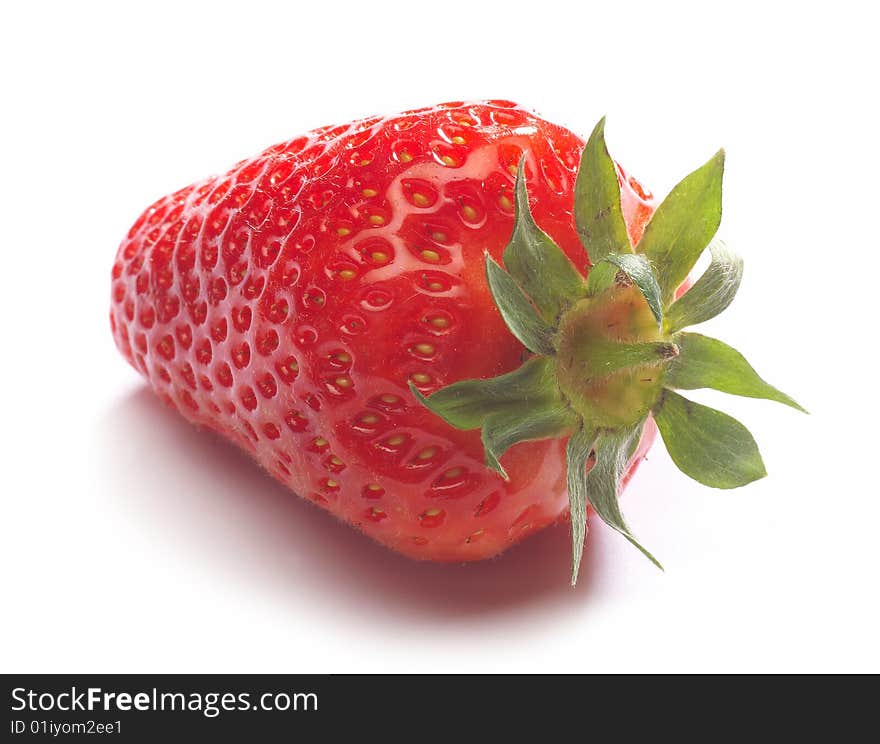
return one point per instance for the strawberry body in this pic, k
(288, 304)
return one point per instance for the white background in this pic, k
(133, 543)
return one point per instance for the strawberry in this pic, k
(336, 306)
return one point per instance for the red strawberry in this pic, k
(304, 303)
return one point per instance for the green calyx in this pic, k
(609, 351)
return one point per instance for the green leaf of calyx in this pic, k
(504, 429)
(467, 404)
(577, 452)
(601, 483)
(711, 293)
(705, 362)
(520, 406)
(520, 315)
(601, 277)
(683, 225)
(537, 264)
(613, 450)
(598, 214)
(603, 358)
(639, 269)
(707, 445)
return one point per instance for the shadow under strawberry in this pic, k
(195, 492)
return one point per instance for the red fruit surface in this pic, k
(287, 304)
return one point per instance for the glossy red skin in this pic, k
(219, 286)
